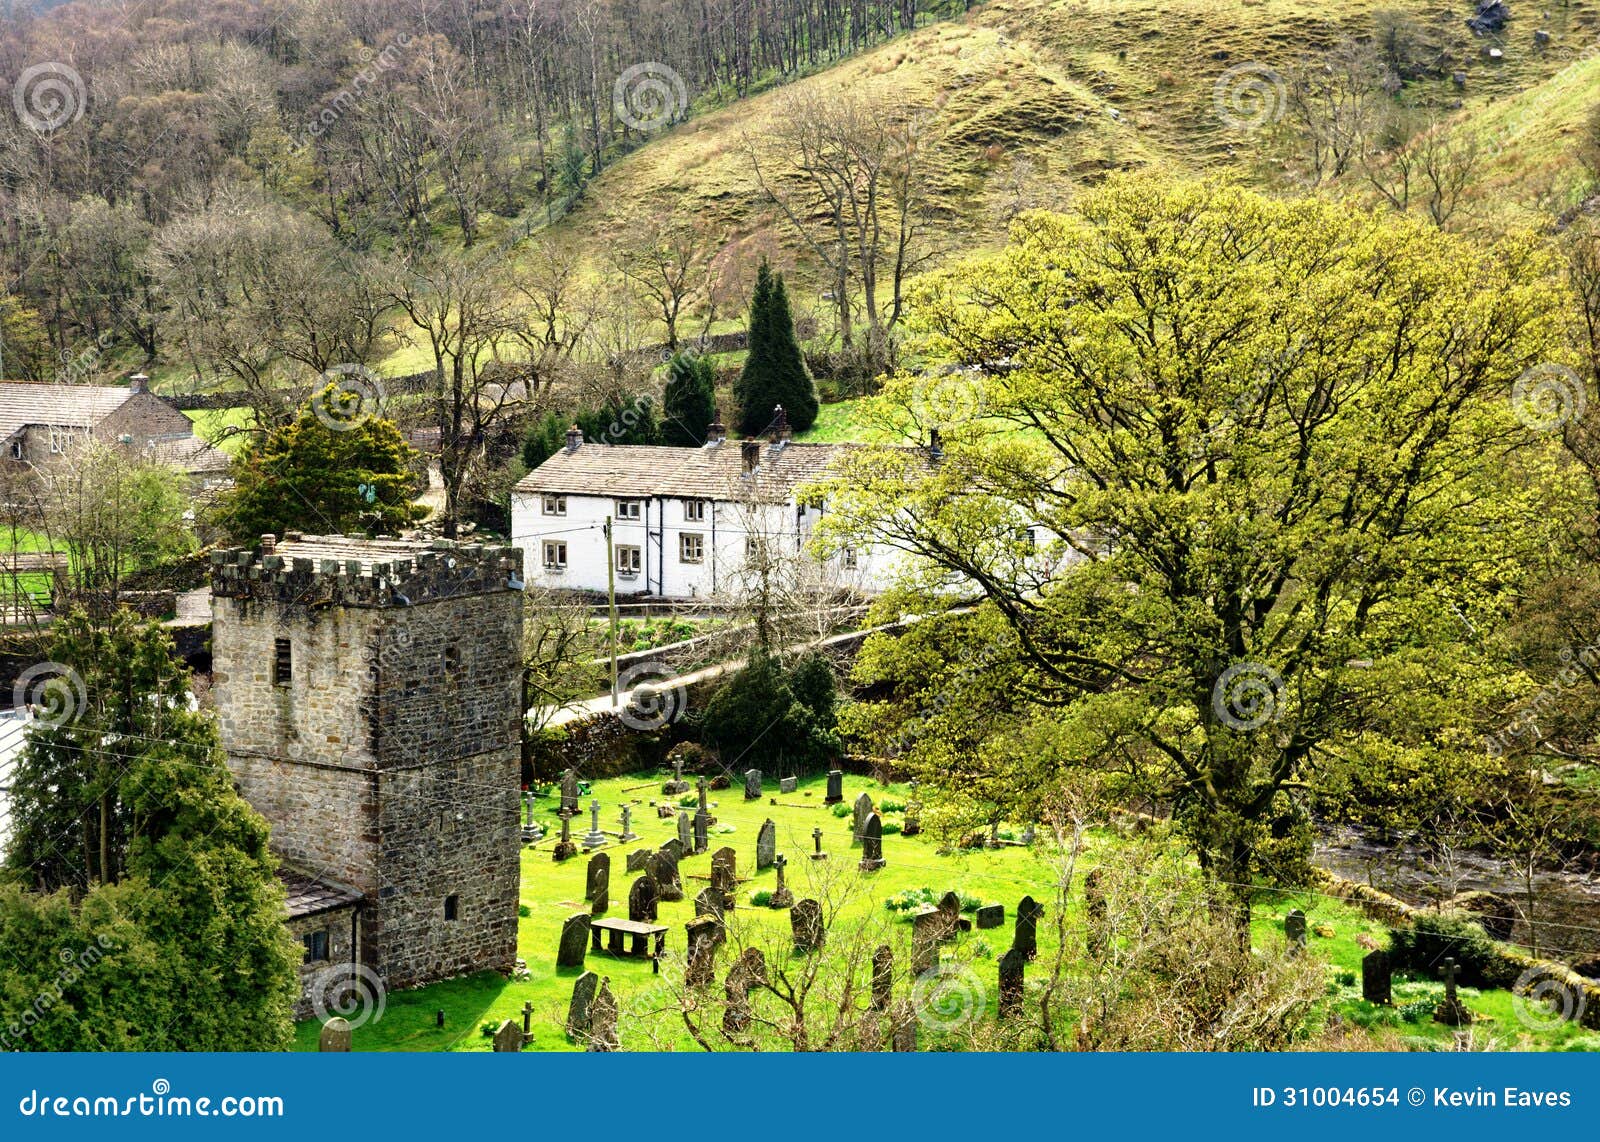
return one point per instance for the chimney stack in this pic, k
(716, 431)
(750, 454)
(574, 438)
(138, 383)
(269, 543)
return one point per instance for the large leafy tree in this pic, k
(333, 469)
(1247, 486)
(131, 851)
(774, 371)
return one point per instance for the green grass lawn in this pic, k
(551, 892)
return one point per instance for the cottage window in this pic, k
(61, 440)
(691, 547)
(630, 509)
(316, 946)
(452, 657)
(629, 560)
(16, 450)
(282, 662)
(850, 557)
(754, 550)
(694, 511)
(452, 907)
(555, 555)
(555, 505)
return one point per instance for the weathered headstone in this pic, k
(858, 820)
(603, 1019)
(927, 928)
(574, 941)
(724, 875)
(710, 902)
(903, 1035)
(1025, 936)
(752, 785)
(805, 923)
(335, 1035)
(766, 844)
(788, 784)
(639, 860)
(674, 846)
(527, 1022)
(578, 1014)
(642, 898)
(686, 831)
(816, 838)
(882, 977)
(601, 903)
(705, 935)
(835, 787)
(565, 849)
(1294, 927)
(594, 838)
(1376, 979)
(599, 871)
(677, 784)
(872, 844)
(663, 867)
(702, 831)
(749, 969)
(1094, 912)
(991, 916)
(1451, 1011)
(569, 794)
(507, 1036)
(781, 896)
(950, 909)
(1012, 966)
(627, 833)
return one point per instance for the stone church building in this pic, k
(369, 696)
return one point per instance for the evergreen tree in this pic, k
(621, 422)
(134, 863)
(319, 473)
(689, 402)
(544, 440)
(774, 371)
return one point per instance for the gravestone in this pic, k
(686, 831)
(1094, 912)
(752, 785)
(788, 784)
(674, 846)
(991, 916)
(816, 838)
(749, 969)
(599, 871)
(1029, 835)
(702, 830)
(639, 860)
(882, 977)
(335, 1035)
(663, 867)
(565, 849)
(594, 838)
(1012, 966)
(578, 1016)
(627, 833)
(602, 898)
(949, 907)
(705, 935)
(805, 923)
(858, 821)
(1294, 927)
(1375, 978)
(835, 787)
(872, 844)
(1451, 1011)
(781, 896)
(642, 898)
(508, 1037)
(927, 928)
(1025, 937)
(574, 941)
(603, 1019)
(903, 1036)
(700, 791)
(569, 794)
(677, 784)
(710, 902)
(724, 877)
(911, 825)
(766, 844)
(527, 1022)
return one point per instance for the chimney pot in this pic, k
(269, 544)
(138, 383)
(750, 454)
(716, 431)
(574, 438)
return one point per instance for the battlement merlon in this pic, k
(358, 572)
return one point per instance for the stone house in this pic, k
(369, 699)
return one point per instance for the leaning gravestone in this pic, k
(1375, 978)
(508, 1037)
(1012, 966)
(872, 844)
(805, 923)
(927, 930)
(710, 902)
(1025, 936)
(724, 877)
(642, 898)
(858, 822)
(752, 785)
(335, 1035)
(705, 935)
(882, 977)
(574, 941)
(991, 916)
(578, 1018)
(603, 1020)
(835, 787)
(904, 1034)
(766, 844)
(638, 860)
(664, 867)
(1294, 927)
(599, 875)
(685, 831)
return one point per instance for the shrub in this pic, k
(843, 809)
(1432, 937)
(890, 828)
(761, 899)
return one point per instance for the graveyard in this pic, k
(964, 992)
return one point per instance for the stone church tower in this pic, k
(369, 696)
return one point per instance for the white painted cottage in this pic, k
(688, 523)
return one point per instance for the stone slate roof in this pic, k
(308, 895)
(712, 472)
(191, 454)
(65, 406)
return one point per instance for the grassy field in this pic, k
(551, 892)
